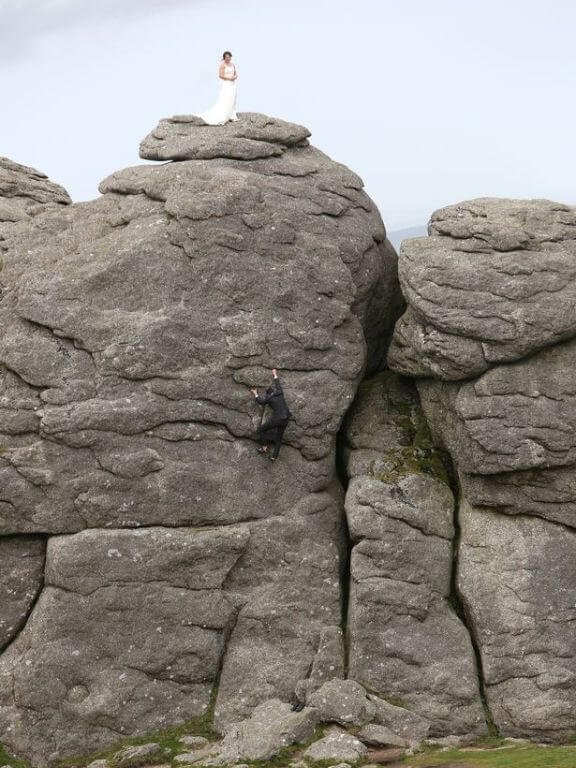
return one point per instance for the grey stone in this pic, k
(133, 757)
(405, 724)
(253, 136)
(328, 663)
(135, 620)
(132, 327)
(288, 580)
(21, 578)
(517, 578)
(98, 764)
(342, 701)
(511, 433)
(25, 192)
(495, 282)
(403, 633)
(499, 359)
(196, 742)
(272, 726)
(123, 386)
(337, 745)
(380, 735)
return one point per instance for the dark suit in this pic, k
(272, 430)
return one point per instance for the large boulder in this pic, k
(338, 745)
(272, 726)
(489, 333)
(180, 563)
(494, 282)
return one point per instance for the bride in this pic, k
(225, 107)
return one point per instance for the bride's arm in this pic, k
(221, 71)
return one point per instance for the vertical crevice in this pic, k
(458, 602)
(21, 625)
(346, 546)
(226, 636)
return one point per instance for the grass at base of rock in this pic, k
(288, 755)
(521, 756)
(5, 759)
(168, 739)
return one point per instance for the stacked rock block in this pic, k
(489, 337)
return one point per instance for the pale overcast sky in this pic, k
(430, 101)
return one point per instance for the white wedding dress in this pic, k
(225, 107)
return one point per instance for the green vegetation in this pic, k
(5, 759)
(504, 756)
(416, 453)
(169, 739)
(287, 755)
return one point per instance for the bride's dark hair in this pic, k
(226, 53)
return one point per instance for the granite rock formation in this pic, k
(153, 568)
(489, 334)
(406, 641)
(25, 192)
(132, 327)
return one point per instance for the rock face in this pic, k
(21, 578)
(132, 327)
(489, 333)
(405, 640)
(518, 580)
(25, 192)
(495, 282)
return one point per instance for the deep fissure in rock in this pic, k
(457, 600)
(346, 544)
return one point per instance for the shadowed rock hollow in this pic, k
(131, 327)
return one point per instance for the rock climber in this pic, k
(271, 431)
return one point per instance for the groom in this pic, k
(272, 430)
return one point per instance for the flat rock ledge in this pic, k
(252, 136)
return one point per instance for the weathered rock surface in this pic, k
(380, 736)
(21, 578)
(495, 282)
(512, 433)
(405, 724)
(405, 640)
(25, 192)
(132, 327)
(253, 136)
(342, 701)
(328, 663)
(134, 757)
(272, 726)
(517, 578)
(336, 745)
(499, 396)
